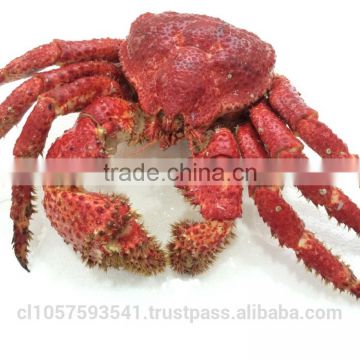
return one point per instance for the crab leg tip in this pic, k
(22, 259)
(23, 265)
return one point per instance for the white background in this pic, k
(317, 44)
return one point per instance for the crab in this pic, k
(176, 76)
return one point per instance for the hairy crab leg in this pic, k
(103, 228)
(59, 101)
(278, 214)
(21, 212)
(280, 142)
(60, 52)
(20, 100)
(195, 244)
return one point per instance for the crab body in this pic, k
(180, 63)
(175, 76)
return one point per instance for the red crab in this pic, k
(178, 74)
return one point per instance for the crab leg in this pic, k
(60, 52)
(59, 101)
(281, 143)
(21, 213)
(20, 100)
(303, 120)
(278, 214)
(103, 228)
(195, 244)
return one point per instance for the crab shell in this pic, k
(195, 67)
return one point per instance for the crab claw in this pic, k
(103, 229)
(195, 245)
(220, 200)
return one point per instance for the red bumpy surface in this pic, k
(60, 52)
(195, 66)
(21, 99)
(103, 228)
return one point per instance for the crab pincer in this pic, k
(195, 244)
